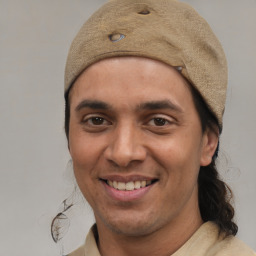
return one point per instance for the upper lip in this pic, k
(127, 178)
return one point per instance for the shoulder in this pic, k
(207, 241)
(230, 246)
(78, 252)
(90, 247)
(222, 245)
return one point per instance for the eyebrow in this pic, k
(93, 104)
(150, 105)
(161, 104)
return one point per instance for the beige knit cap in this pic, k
(164, 30)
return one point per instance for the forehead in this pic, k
(131, 78)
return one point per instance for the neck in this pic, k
(162, 242)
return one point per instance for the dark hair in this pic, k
(214, 194)
(67, 113)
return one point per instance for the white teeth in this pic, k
(137, 184)
(121, 186)
(115, 184)
(143, 184)
(129, 186)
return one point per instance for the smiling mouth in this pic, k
(129, 186)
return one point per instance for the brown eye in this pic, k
(97, 120)
(160, 121)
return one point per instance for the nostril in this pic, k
(144, 12)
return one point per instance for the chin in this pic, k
(131, 230)
(133, 226)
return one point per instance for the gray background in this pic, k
(34, 40)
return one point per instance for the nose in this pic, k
(126, 146)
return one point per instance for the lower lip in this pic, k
(126, 195)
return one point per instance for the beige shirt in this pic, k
(205, 242)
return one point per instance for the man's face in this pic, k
(137, 145)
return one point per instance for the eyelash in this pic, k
(91, 119)
(158, 121)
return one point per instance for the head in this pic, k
(133, 118)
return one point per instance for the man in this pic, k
(145, 90)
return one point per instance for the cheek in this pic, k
(179, 149)
(83, 152)
(80, 147)
(180, 157)
(84, 159)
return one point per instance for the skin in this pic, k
(128, 137)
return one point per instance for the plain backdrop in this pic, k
(34, 40)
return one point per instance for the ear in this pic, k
(209, 145)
